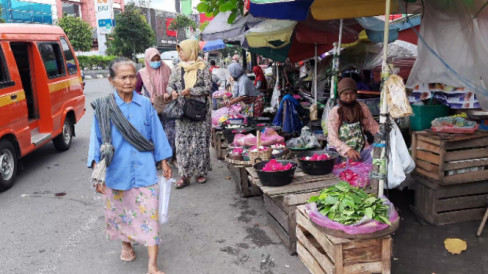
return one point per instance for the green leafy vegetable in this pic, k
(348, 205)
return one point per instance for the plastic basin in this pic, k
(277, 178)
(317, 167)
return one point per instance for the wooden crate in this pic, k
(446, 204)
(220, 145)
(281, 202)
(451, 158)
(323, 253)
(240, 176)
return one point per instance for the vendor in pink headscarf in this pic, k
(152, 81)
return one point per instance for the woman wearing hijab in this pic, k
(191, 79)
(152, 81)
(349, 121)
(259, 81)
(244, 91)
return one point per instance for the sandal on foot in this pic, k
(201, 179)
(181, 183)
(127, 255)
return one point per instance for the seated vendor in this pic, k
(349, 121)
(245, 91)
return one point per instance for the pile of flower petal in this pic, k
(261, 148)
(344, 164)
(237, 150)
(273, 166)
(317, 157)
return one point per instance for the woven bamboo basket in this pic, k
(237, 162)
(259, 156)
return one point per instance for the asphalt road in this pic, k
(52, 221)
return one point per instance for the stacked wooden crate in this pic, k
(281, 202)
(323, 253)
(451, 176)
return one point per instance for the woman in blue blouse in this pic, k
(130, 187)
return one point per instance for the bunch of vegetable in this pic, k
(273, 166)
(317, 157)
(349, 205)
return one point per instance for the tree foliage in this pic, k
(214, 7)
(182, 22)
(1, 19)
(78, 31)
(132, 34)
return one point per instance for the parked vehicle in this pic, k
(41, 93)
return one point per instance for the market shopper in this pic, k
(191, 79)
(152, 81)
(127, 143)
(245, 91)
(259, 80)
(348, 123)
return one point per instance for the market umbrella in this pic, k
(218, 28)
(328, 9)
(213, 45)
(285, 10)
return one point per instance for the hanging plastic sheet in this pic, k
(454, 46)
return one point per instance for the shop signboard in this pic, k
(104, 16)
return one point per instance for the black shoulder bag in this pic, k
(193, 109)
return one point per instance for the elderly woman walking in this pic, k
(127, 143)
(152, 81)
(191, 79)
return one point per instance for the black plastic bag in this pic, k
(173, 110)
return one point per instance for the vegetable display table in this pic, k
(281, 202)
(241, 178)
(322, 253)
(220, 144)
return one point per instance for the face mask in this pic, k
(155, 65)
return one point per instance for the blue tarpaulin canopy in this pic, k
(213, 45)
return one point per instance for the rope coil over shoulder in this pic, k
(108, 112)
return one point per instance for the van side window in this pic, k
(4, 74)
(68, 55)
(52, 58)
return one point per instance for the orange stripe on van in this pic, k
(64, 84)
(6, 100)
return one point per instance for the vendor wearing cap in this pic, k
(348, 122)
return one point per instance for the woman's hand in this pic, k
(166, 96)
(185, 92)
(167, 172)
(174, 95)
(101, 188)
(228, 103)
(353, 155)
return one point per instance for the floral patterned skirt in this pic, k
(132, 215)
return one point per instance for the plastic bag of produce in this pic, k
(355, 173)
(364, 226)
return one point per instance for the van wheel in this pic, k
(8, 165)
(62, 142)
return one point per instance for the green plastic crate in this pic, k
(424, 114)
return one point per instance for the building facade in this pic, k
(29, 11)
(85, 9)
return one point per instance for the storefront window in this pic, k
(71, 9)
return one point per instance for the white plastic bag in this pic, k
(164, 191)
(275, 98)
(400, 162)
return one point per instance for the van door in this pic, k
(21, 52)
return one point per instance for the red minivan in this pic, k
(41, 93)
